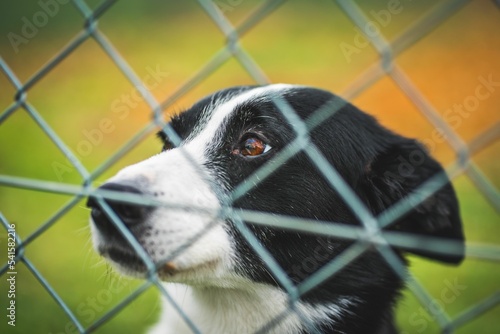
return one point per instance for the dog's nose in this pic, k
(129, 213)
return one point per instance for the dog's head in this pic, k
(226, 138)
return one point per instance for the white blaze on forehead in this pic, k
(222, 112)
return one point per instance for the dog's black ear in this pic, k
(399, 171)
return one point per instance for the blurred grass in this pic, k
(299, 43)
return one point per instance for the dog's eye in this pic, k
(252, 147)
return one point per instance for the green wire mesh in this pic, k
(369, 234)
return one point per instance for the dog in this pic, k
(208, 266)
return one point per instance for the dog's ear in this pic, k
(399, 171)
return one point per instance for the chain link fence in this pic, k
(370, 234)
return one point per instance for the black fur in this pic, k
(380, 166)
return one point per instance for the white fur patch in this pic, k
(173, 179)
(242, 310)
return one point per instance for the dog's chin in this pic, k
(128, 263)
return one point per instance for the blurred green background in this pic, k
(301, 42)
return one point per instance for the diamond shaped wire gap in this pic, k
(14, 134)
(312, 57)
(21, 96)
(222, 55)
(173, 51)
